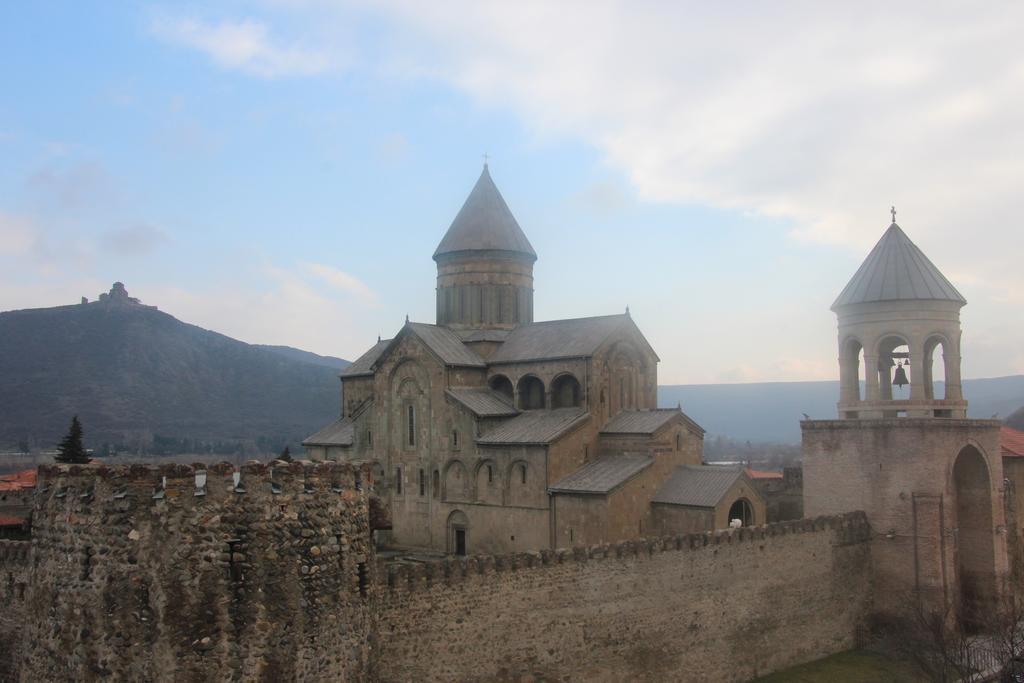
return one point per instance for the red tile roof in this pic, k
(26, 479)
(762, 474)
(12, 521)
(1012, 441)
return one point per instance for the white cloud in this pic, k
(245, 45)
(343, 281)
(17, 236)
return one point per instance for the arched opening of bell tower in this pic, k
(934, 373)
(894, 370)
(974, 536)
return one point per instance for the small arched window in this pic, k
(455, 438)
(398, 480)
(679, 442)
(490, 474)
(436, 484)
(522, 473)
(411, 424)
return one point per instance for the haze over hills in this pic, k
(771, 411)
(136, 375)
(140, 378)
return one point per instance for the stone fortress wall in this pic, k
(722, 606)
(132, 576)
(142, 573)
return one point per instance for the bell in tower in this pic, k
(899, 314)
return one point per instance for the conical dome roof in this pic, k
(485, 223)
(896, 270)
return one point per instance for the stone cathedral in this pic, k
(489, 432)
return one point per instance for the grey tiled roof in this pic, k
(697, 485)
(482, 335)
(341, 432)
(364, 364)
(485, 223)
(447, 345)
(640, 421)
(573, 338)
(535, 427)
(897, 270)
(603, 475)
(483, 402)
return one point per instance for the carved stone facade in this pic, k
(490, 432)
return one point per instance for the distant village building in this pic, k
(490, 432)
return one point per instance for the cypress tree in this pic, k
(70, 449)
(286, 455)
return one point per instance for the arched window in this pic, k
(565, 392)
(502, 384)
(411, 424)
(935, 373)
(435, 487)
(455, 439)
(531, 393)
(679, 442)
(398, 480)
(522, 474)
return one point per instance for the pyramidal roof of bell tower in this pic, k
(896, 270)
(485, 223)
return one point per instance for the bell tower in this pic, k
(484, 265)
(899, 328)
(929, 480)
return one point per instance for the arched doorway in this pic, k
(975, 548)
(743, 511)
(458, 533)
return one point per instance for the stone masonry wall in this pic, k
(726, 606)
(14, 579)
(135, 577)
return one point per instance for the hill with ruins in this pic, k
(142, 379)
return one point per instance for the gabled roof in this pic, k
(447, 345)
(603, 475)
(483, 402)
(482, 335)
(897, 270)
(442, 342)
(697, 485)
(1012, 441)
(341, 432)
(364, 364)
(572, 338)
(485, 223)
(536, 427)
(641, 421)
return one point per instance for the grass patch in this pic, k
(853, 666)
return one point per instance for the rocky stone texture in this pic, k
(136, 577)
(727, 606)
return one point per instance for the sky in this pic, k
(281, 170)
